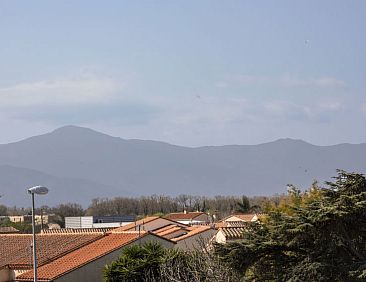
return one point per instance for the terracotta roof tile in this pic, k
(184, 216)
(244, 217)
(230, 224)
(193, 230)
(82, 256)
(166, 231)
(133, 225)
(232, 233)
(16, 250)
(77, 230)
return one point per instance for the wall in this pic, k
(79, 222)
(6, 275)
(220, 237)
(196, 241)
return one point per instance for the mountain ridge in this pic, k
(84, 157)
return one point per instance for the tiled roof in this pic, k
(16, 250)
(134, 225)
(77, 230)
(193, 230)
(8, 229)
(230, 224)
(232, 233)
(82, 256)
(184, 216)
(165, 231)
(244, 217)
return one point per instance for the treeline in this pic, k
(158, 204)
(217, 206)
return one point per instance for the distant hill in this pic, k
(79, 164)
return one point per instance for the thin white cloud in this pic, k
(292, 81)
(82, 90)
(282, 81)
(315, 111)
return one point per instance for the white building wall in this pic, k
(79, 222)
(220, 237)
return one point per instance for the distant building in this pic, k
(8, 230)
(186, 237)
(233, 227)
(76, 222)
(241, 218)
(39, 219)
(229, 234)
(190, 218)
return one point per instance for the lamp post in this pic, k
(39, 190)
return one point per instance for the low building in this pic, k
(241, 218)
(38, 219)
(195, 238)
(150, 223)
(98, 221)
(8, 230)
(186, 237)
(190, 218)
(229, 234)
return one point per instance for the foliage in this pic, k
(243, 206)
(64, 210)
(3, 210)
(317, 235)
(136, 263)
(21, 226)
(151, 262)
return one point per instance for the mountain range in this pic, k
(78, 164)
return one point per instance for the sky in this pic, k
(190, 73)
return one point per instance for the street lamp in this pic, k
(39, 190)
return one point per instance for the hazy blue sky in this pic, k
(186, 72)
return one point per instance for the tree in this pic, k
(151, 262)
(69, 209)
(243, 206)
(3, 210)
(316, 235)
(136, 263)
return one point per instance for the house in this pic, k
(229, 234)
(150, 223)
(38, 219)
(77, 257)
(233, 227)
(190, 218)
(241, 218)
(98, 221)
(16, 250)
(196, 238)
(8, 230)
(186, 237)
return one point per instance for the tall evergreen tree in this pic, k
(317, 235)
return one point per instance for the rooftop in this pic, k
(184, 216)
(16, 249)
(191, 231)
(232, 233)
(82, 256)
